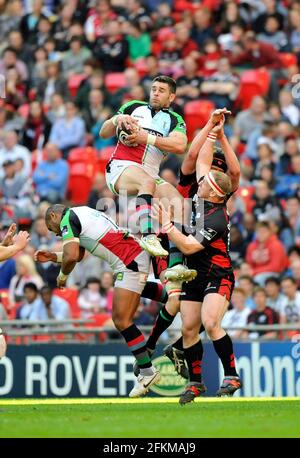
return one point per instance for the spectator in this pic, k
(31, 299)
(57, 108)
(288, 185)
(237, 245)
(249, 120)
(10, 17)
(262, 315)
(290, 309)
(11, 151)
(222, 87)
(295, 269)
(266, 255)
(275, 297)
(271, 8)
(37, 127)
(49, 271)
(265, 156)
(185, 44)
(94, 109)
(29, 22)
(139, 42)
(142, 318)
(162, 16)
(97, 191)
(41, 236)
(291, 148)
(189, 84)
(267, 207)
(202, 29)
(16, 191)
(16, 42)
(112, 49)
(94, 81)
(247, 284)
(10, 60)
(26, 273)
(90, 300)
(50, 307)
(288, 108)
(136, 12)
(238, 315)
(68, 132)
(51, 175)
(97, 21)
(273, 35)
(54, 83)
(73, 60)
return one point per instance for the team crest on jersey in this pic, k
(65, 230)
(208, 233)
(120, 276)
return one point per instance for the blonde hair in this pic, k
(223, 181)
(28, 263)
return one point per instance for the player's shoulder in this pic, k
(132, 105)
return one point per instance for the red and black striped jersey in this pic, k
(211, 227)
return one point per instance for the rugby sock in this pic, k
(224, 350)
(143, 209)
(155, 291)
(163, 321)
(193, 356)
(137, 345)
(175, 256)
(179, 343)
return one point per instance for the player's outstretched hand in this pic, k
(128, 121)
(8, 238)
(21, 240)
(43, 256)
(219, 126)
(218, 114)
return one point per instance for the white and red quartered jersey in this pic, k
(160, 123)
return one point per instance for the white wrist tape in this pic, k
(59, 256)
(151, 139)
(114, 120)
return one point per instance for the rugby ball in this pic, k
(122, 134)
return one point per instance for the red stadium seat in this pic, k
(114, 81)
(71, 296)
(74, 82)
(83, 154)
(196, 115)
(81, 178)
(288, 59)
(253, 82)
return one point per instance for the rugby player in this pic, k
(205, 160)
(85, 228)
(11, 245)
(207, 297)
(155, 131)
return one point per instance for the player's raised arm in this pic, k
(189, 164)
(19, 243)
(122, 118)
(234, 169)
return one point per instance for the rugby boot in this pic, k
(143, 384)
(229, 386)
(177, 358)
(192, 391)
(181, 273)
(151, 244)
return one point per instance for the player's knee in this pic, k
(190, 331)
(211, 325)
(120, 321)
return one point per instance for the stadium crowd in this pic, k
(69, 65)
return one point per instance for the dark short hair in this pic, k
(273, 280)
(31, 286)
(167, 80)
(247, 277)
(264, 224)
(46, 289)
(259, 289)
(219, 160)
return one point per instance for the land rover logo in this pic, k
(171, 384)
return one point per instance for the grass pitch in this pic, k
(150, 418)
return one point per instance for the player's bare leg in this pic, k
(138, 182)
(213, 309)
(125, 304)
(3, 344)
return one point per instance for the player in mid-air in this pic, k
(207, 297)
(83, 228)
(11, 245)
(134, 166)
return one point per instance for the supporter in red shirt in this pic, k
(266, 255)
